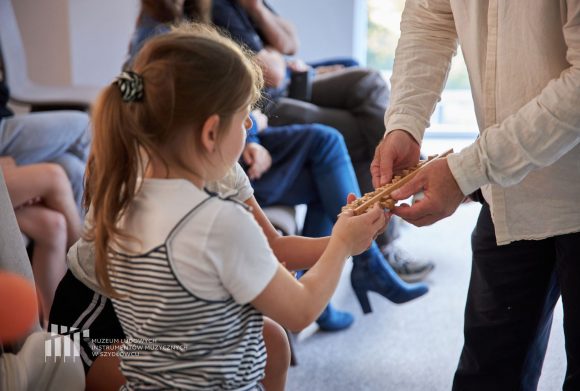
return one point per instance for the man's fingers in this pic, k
(414, 186)
(385, 164)
(415, 212)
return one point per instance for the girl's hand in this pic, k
(358, 232)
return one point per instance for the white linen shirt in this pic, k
(523, 58)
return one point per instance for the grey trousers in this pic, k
(352, 100)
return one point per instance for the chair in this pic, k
(22, 89)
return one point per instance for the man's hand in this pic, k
(441, 198)
(258, 160)
(297, 65)
(397, 151)
(326, 69)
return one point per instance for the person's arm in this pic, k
(537, 135)
(273, 65)
(422, 61)
(295, 252)
(277, 32)
(296, 303)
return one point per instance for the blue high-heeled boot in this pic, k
(332, 319)
(371, 272)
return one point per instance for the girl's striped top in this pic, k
(184, 300)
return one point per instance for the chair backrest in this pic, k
(12, 50)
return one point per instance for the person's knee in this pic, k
(52, 228)
(57, 176)
(330, 141)
(327, 134)
(277, 346)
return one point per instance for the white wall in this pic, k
(100, 37)
(85, 41)
(75, 41)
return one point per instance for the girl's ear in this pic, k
(209, 132)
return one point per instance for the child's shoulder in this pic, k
(228, 209)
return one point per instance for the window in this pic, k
(454, 118)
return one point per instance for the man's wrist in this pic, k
(402, 132)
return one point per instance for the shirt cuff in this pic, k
(467, 169)
(406, 122)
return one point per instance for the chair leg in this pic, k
(293, 360)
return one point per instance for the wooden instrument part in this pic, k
(382, 195)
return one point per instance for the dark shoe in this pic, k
(332, 319)
(370, 272)
(408, 268)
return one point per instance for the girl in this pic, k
(188, 269)
(296, 164)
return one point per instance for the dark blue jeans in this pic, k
(508, 315)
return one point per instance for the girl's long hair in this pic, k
(188, 75)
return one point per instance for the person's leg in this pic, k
(30, 369)
(360, 91)
(44, 136)
(105, 373)
(48, 182)
(568, 269)
(75, 171)
(47, 229)
(62, 137)
(77, 306)
(508, 313)
(278, 350)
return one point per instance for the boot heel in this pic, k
(363, 298)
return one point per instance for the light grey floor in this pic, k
(414, 346)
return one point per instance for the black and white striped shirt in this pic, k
(184, 301)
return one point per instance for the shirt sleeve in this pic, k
(236, 183)
(422, 61)
(240, 252)
(235, 20)
(242, 184)
(537, 135)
